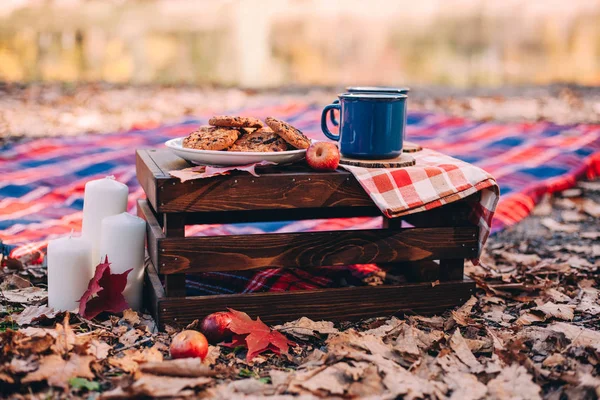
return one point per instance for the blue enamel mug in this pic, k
(370, 89)
(371, 124)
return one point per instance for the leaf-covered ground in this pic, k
(531, 331)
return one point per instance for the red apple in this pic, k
(323, 156)
(189, 344)
(216, 327)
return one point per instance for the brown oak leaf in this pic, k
(57, 371)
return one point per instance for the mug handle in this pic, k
(332, 115)
(324, 128)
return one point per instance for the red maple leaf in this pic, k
(259, 337)
(109, 290)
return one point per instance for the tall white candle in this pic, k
(122, 240)
(102, 198)
(68, 272)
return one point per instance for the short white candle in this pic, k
(102, 198)
(68, 272)
(122, 240)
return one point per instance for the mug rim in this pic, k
(372, 96)
(377, 89)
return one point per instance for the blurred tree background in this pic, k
(269, 43)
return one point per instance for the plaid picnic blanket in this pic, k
(41, 190)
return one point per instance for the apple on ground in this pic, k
(323, 156)
(216, 327)
(189, 344)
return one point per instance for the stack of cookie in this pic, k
(227, 133)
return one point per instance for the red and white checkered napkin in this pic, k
(436, 179)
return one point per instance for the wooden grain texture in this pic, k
(313, 249)
(153, 290)
(343, 304)
(410, 147)
(153, 230)
(277, 188)
(402, 161)
(174, 284)
(147, 172)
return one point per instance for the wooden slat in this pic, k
(148, 174)
(153, 230)
(174, 227)
(281, 188)
(343, 304)
(153, 290)
(267, 192)
(313, 249)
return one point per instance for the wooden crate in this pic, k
(443, 235)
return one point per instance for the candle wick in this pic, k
(110, 177)
(71, 234)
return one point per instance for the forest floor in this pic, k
(532, 329)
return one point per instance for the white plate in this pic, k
(214, 157)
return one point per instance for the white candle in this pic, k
(102, 198)
(122, 240)
(69, 272)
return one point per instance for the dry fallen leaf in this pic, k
(560, 311)
(369, 385)
(572, 216)
(157, 386)
(28, 295)
(589, 301)
(23, 366)
(557, 296)
(305, 328)
(65, 337)
(577, 335)
(57, 371)
(558, 227)
(462, 315)
(460, 347)
(522, 259)
(514, 382)
(528, 318)
(35, 313)
(590, 235)
(213, 354)
(554, 360)
(131, 316)
(98, 349)
(496, 314)
(590, 207)
(464, 386)
(130, 337)
(406, 342)
(333, 380)
(184, 367)
(383, 330)
(130, 359)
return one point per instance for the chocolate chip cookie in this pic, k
(288, 133)
(211, 138)
(261, 140)
(236, 122)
